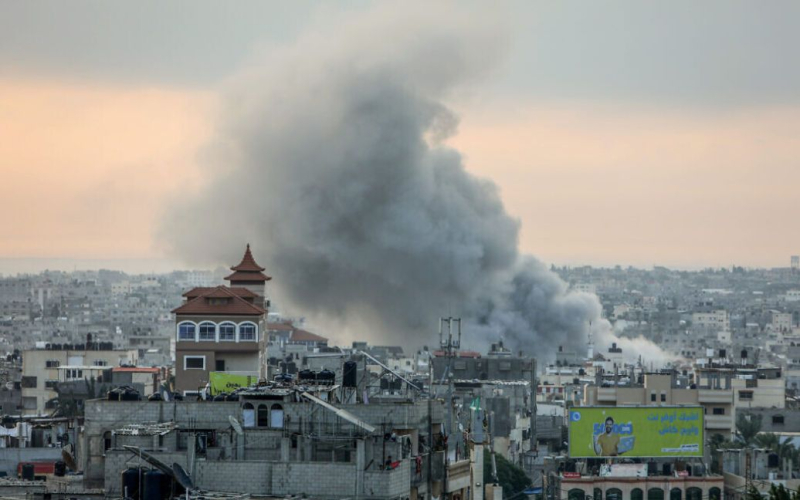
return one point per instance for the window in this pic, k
(637, 494)
(227, 332)
(653, 397)
(714, 494)
(718, 411)
(694, 493)
(576, 494)
(219, 365)
(276, 416)
(614, 494)
(50, 384)
(28, 382)
(74, 373)
(597, 494)
(208, 331)
(777, 420)
(655, 494)
(745, 395)
(247, 332)
(263, 416)
(248, 415)
(194, 362)
(52, 363)
(663, 398)
(186, 331)
(100, 362)
(675, 494)
(106, 440)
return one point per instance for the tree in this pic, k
(747, 428)
(512, 478)
(779, 493)
(753, 494)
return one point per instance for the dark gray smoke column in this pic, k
(330, 163)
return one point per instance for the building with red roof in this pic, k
(222, 328)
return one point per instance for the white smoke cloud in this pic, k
(332, 166)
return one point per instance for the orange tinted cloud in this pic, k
(85, 169)
(595, 184)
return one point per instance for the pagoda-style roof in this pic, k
(220, 300)
(248, 271)
(248, 263)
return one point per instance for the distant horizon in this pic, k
(12, 266)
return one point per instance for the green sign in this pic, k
(227, 382)
(643, 431)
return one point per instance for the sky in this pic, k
(618, 132)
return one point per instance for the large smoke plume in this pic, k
(330, 162)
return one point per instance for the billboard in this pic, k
(642, 431)
(227, 382)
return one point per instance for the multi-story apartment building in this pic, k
(714, 320)
(222, 328)
(42, 369)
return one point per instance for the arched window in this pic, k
(714, 494)
(675, 494)
(227, 332)
(614, 494)
(276, 416)
(576, 494)
(655, 494)
(248, 332)
(597, 494)
(186, 331)
(263, 416)
(694, 493)
(208, 331)
(637, 494)
(248, 415)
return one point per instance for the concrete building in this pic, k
(42, 369)
(222, 329)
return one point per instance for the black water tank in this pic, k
(652, 469)
(326, 377)
(232, 397)
(113, 395)
(291, 367)
(698, 470)
(177, 396)
(130, 395)
(131, 483)
(60, 469)
(384, 384)
(307, 376)
(666, 469)
(350, 374)
(396, 384)
(743, 354)
(156, 396)
(156, 486)
(28, 471)
(220, 397)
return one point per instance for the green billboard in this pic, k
(642, 431)
(226, 382)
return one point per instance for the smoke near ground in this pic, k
(330, 163)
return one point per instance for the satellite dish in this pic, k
(182, 477)
(236, 425)
(69, 460)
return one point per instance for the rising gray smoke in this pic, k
(330, 163)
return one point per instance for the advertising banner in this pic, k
(227, 382)
(643, 431)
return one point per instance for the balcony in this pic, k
(714, 396)
(607, 394)
(722, 422)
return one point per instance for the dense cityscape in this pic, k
(108, 376)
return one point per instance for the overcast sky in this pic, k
(618, 132)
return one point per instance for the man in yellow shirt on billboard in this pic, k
(607, 443)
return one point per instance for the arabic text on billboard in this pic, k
(636, 432)
(226, 382)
